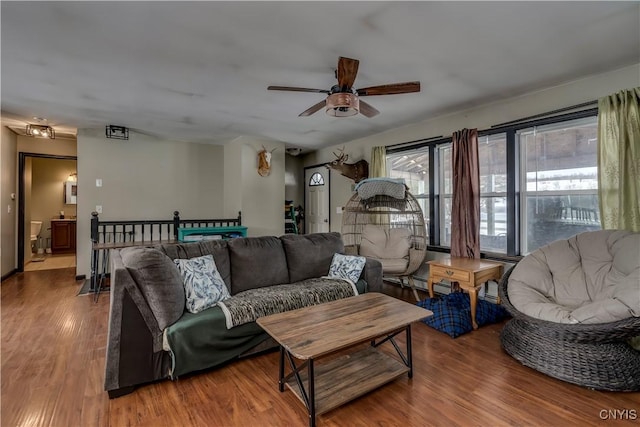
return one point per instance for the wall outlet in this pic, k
(99, 209)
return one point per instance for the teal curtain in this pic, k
(619, 160)
(378, 162)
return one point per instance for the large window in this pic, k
(559, 181)
(538, 182)
(493, 192)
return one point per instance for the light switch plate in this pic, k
(99, 209)
(99, 182)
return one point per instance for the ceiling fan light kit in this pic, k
(343, 100)
(342, 105)
(41, 131)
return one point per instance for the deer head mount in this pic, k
(356, 171)
(264, 161)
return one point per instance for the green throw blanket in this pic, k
(200, 341)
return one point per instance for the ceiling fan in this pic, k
(343, 100)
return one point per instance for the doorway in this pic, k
(46, 213)
(316, 199)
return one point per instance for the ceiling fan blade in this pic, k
(367, 110)
(347, 70)
(309, 111)
(390, 89)
(297, 89)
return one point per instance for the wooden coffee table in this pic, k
(313, 332)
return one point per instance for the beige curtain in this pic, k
(619, 160)
(465, 211)
(378, 162)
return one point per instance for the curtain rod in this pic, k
(433, 138)
(548, 113)
(425, 141)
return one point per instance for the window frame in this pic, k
(514, 181)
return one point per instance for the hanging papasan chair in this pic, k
(382, 220)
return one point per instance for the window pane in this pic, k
(445, 221)
(446, 188)
(492, 156)
(493, 224)
(414, 168)
(560, 181)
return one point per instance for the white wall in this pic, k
(144, 178)
(262, 197)
(8, 222)
(482, 117)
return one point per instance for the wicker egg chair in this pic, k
(389, 229)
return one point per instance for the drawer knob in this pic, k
(449, 272)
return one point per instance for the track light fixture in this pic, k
(117, 132)
(41, 131)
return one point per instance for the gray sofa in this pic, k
(147, 314)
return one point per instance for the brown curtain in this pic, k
(465, 212)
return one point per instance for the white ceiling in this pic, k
(199, 71)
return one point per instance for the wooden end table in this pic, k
(470, 273)
(313, 332)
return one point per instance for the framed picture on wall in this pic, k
(70, 193)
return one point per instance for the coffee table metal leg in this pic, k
(312, 395)
(409, 357)
(281, 370)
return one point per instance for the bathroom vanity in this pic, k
(63, 236)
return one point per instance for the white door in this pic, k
(317, 200)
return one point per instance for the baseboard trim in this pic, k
(9, 274)
(81, 277)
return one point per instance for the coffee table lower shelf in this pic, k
(350, 376)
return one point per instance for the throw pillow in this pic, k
(347, 267)
(203, 284)
(451, 314)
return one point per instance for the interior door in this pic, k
(316, 199)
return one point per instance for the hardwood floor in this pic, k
(52, 370)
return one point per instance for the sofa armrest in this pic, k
(134, 352)
(372, 274)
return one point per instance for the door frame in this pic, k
(304, 174)
(22, 159)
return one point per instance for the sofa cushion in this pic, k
(384, 243)
(257, 262)
(159, 281)
(310, 255)
(203, 285)
(217, 248)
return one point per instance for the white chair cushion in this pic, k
(384, 243)
(593, 277)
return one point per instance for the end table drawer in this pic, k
(450, 273)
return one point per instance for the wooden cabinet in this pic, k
(63, 236)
